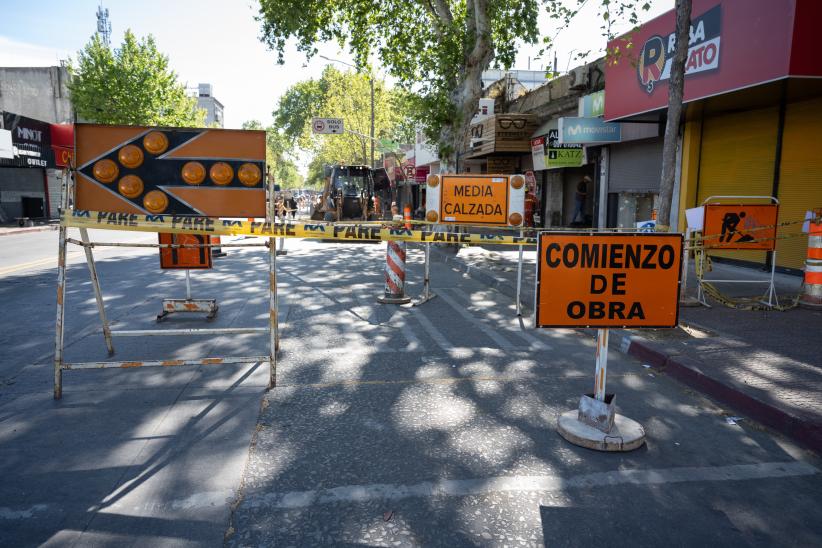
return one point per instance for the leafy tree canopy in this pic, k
(278, 156)
(436, 48)
(345, 95)
(132, 84)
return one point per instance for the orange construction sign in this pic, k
(740, 226)
(184, 257)
(170, 171)
(476, 199)
(608, 279)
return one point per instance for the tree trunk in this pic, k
(465, 98)
(676, 86)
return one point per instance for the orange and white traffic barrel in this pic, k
(216, 250)
(812, 289)
(394, 274)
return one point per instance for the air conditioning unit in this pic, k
(579, 78)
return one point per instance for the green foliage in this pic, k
(278, 156)
(130, 85)
(435, 48)
(345, 95)
(613, 13)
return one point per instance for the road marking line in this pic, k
(33, 264)
(518, 484)
(432, 331)
(536, 344)
(492, 334)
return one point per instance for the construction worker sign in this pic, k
(608, 279)
(740, 226)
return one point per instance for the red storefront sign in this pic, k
(421, 173)
(62, 143)
(734, 44)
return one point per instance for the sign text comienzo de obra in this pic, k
(608, 280)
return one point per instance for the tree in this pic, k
(130, 85)
(278, 156)
(676, 87)
(345, 95)
(437, 48)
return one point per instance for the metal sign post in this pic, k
(426, 285)
(519, 278)
(59, 331)
(273, 320)
(602, 364)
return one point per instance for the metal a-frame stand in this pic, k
(61, 365)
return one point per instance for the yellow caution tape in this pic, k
(703, 264)
(229, 227)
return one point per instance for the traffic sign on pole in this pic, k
(326, 126)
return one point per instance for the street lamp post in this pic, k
(371, 83)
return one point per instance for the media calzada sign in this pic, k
(608, 280)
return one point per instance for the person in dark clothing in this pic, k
(580, 197)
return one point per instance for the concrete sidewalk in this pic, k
(766, 365)
(10, 230)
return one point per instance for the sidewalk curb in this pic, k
(690, 372)
(15, 231)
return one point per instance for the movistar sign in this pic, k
(588, 131)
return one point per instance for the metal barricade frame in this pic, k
(61, 365)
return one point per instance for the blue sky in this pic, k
(213, 41)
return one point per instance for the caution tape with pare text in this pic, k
(184, 224)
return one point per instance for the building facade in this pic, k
(34, 102)
(209, 103)
(753, 98)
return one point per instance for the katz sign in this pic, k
(732, 45)
(608, 280)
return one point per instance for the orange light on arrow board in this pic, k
(193, 173)
(130, 186)
(130, 156)
(249, 174)
(155, 201)
(106, 171)
(221, 173)
(155, 142)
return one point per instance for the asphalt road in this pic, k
(390, 426)
(32, 251)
